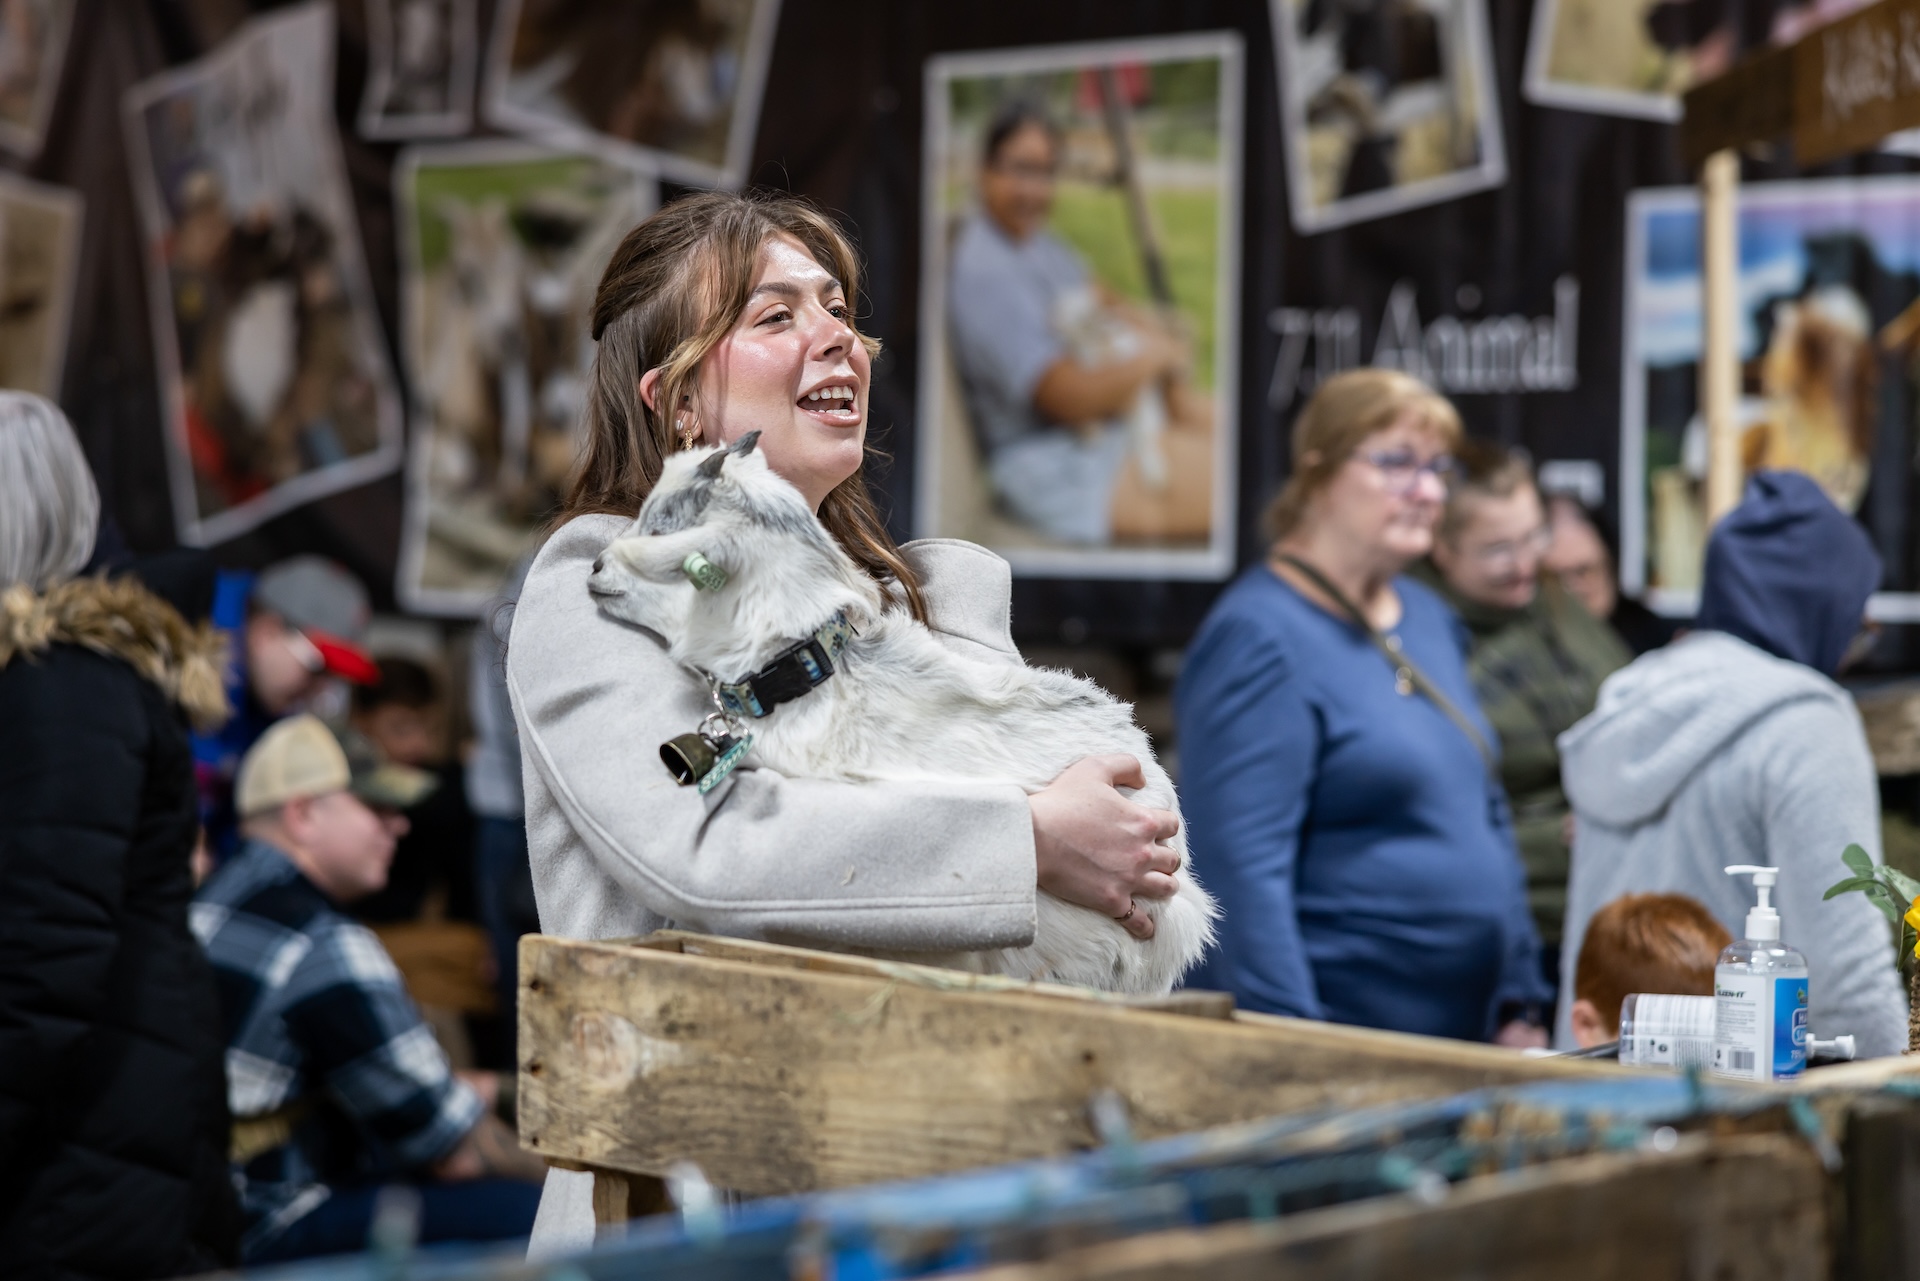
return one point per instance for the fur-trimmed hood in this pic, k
(123, 620)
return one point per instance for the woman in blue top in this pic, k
(1336, 776)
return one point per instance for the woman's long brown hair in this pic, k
(670, 294)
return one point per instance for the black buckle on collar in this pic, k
(796, 671)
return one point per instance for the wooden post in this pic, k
(1720, 348)
(1913, 1009)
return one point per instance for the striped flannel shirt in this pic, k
(323, 1040)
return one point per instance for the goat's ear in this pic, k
(710, 466)
(641, 557)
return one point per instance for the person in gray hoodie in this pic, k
(1734, 745)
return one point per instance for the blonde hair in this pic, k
(1347, 409)
(49, 504)
(670, 294)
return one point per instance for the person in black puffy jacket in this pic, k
(113, 1116)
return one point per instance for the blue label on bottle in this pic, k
(1789, 1027)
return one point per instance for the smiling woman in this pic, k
(720, 318)
(793, 332)
(713, 276)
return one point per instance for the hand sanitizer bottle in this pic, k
(1760, 996)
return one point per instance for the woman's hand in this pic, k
(1096, 848)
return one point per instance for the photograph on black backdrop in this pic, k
(1829, 342)
(1636, 57)
(502, 245)
(675, 84)
(273, 366)
(423, 58)
(33, 49)
(1079, 302)
(39, 259)
(1385, 105)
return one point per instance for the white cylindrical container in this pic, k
(1658, 1030)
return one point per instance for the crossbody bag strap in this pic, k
(1402, 662)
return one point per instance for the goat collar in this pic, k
(796, 671)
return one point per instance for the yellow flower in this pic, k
(1913, 919)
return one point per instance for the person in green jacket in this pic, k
(1537, 656)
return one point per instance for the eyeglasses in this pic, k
(1508, 553)
(1401, 469)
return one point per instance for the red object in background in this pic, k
(1135, 86)
(344, 658)
(203, 446)
(208, 454)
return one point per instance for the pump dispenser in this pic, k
(1763, 923)
(1760, 995)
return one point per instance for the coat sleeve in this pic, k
(72, 771)
(1818, 794)
(1249, 748)
(911, 866)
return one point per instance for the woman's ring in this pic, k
(1132, 907)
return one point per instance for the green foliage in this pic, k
(1181, 84)
(509, 181)
(1858, 859)
(1887, 888)
(1094, 221)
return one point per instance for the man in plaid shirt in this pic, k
(336, 1084)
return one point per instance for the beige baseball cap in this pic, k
(300, 756)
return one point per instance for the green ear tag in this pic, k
(703, 573)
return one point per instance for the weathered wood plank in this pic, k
(1880, 1183)
(1744, 1209)
(1213, 1005)
(781, 1080)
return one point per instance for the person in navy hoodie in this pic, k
(1340, 785)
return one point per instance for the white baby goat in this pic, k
(902, 705)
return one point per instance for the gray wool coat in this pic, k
(619, 848)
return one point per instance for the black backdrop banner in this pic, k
(1508, 299)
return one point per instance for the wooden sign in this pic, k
(1856, 80)
(1836, 91)
(1752, 102)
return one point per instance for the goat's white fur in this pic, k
(902, 705)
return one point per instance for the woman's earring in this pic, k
(689, 432)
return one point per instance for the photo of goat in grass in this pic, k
(901, 705)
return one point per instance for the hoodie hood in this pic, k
(1789, 573)
(121, 619)
(1661, 718)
